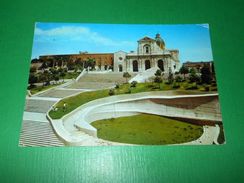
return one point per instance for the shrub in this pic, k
(117, 86)
(194, 78)
(56, 78)
(206, 75)
(158, 79)
(133, 83)
(214, 88)
(176, 85)
(178, 79)
(213, 83)
(111, 92)
(156, 87)
(129, 90)
(31, 86)
(158, 72)
(192, 86)
(207, 88)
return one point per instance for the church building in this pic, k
(150, 53)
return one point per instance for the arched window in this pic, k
(147, 49)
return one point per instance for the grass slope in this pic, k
(82, 98)
(42, 88)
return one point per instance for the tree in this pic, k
(70, 65)
(158, 80)
(56, 78)
(47, 77)
(178, 78)
(62, 75)
(53, 71)
(90, 64)
(193, 76)
(213, 72)
(32, 79)
(42, 78)
(34, 60)
(206, 76)
(32, 69)
(184, 70)
(126, 75)
(44, 65)
(170, 77)
(79, 64)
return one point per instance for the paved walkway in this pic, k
(57, 94)
(44, 98)
(35, 116)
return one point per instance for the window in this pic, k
(146, 49)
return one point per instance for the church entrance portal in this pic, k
(135, 66)
(161, 65)
(120, 68)
(147, 64)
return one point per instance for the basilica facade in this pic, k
(150, 53)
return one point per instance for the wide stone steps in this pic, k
(106, 78)
(38, 134)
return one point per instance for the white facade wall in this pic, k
(119, 59)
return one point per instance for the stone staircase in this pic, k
(35, 133)
(104, 78)
(96, 81)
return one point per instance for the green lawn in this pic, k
(147, 130)
(82, 98)
(71, 75)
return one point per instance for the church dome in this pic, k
(160, 41)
